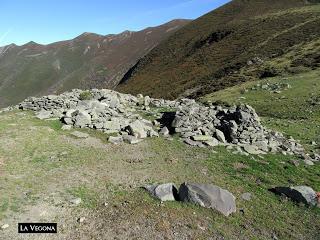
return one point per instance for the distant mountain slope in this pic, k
(241, 41)
(88, 61)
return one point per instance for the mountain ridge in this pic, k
(87, 61)
(96, 34)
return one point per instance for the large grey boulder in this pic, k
(164, 192)
(208, 196)
(299, 194)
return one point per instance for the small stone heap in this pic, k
(124, 117)
(238, 125)
(272, 87)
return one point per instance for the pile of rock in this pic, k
(202, 125)
(108, 111)
(124, 116)
(272, 87)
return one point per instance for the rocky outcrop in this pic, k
(198, 125)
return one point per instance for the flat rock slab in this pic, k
(202, 138)
(193, 143)
(251, 149)
(208, 196)
(212, 143)
(5, 226)
(164, 192)
(299, 194)
(66, 127)
(80, 134)
(131, 139)
(115, 140)
(44, 114)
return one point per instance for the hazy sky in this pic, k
(46, 21)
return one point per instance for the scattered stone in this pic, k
(308, 162)
(82, 119)
(212, 143)
(81, 219)
(80, 134)
(115, 140)
(246, 196)
(164, 131)
(193, 143)
(251, 149)
(164, 192)
(76, 201)
(147, 101)
(43, 114)
(295, 162)
(220, 136)
(4, 226)
(209, 196)
(272, 87)
(112, 125)
(202, 138)
(131, 139)
(137, 129)
(66, 127)
(299, 194)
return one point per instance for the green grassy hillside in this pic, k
(235, 43)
